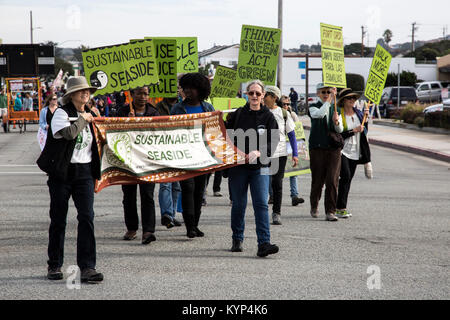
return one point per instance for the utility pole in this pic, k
(280, 56)
(414, 29)
(363, 33)
(31, 26)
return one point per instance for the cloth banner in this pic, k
(162, 149)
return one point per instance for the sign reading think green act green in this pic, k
(224, 84)
(187, 53)
(333, 64)
(121, 67)
(258, 54)
(166, 60)
(378, 74)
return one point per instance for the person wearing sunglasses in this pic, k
(253, 129)
(325, 159)
(279, 159)
(356, 147)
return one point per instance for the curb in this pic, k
(421, 152)
(412, 127)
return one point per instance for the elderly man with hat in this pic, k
(278, 161)
(324, 154)
(71, 160)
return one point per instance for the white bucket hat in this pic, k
(75, 84)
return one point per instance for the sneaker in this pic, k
(166, 220)
(342, 214)
(265, 249)
(276, 217)
(91, 275)
(237, 246)
(176, 223)
(148, 237)
(368, 170)
(331, 217)
(218, 194)
(314, 213)
(54, 274)
(198, 232)
(129, 235)
(296, 201)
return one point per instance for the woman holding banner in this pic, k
(254, 120)
(356, 147)
(195, 89)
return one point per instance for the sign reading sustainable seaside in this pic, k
(333, 64)
(378, 74)
(258, 54)
(224, 84)
(121, 67)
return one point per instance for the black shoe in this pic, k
(265, 249)
(91, 275)
(55, 274)
(191, 234)
(167, 221)
(296, 201)
(148, 237)
(176, 223)
(237, 246)
(198, 232)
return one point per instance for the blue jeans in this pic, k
(294, 188)
(240, 179)
(168, 198)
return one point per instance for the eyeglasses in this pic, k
(54, 98)
(350, 98)
(252, 93)
(286, 104)
(325, 92)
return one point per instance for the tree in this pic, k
(355, 82)
(387, 36)
(64, 65)
(355, 49)
(408, 79)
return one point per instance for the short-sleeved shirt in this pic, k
(82, 153)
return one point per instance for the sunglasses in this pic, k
(350, 98)
(252, 93)
(286, 104)
(325, 92)
(55, 98)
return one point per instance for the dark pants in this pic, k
(80, 186)
(348, 168)
(325, 169)
(147, 207)
(277, 184)
(217, 180)
(191, 200)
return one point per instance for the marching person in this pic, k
(293, 96)
(4, 109)
(324, 154)
(278, 161)
(45, 118)
(195, 89)
(71, 160)
(254, 119)
(139, 108)
(293, 181)
(356, 147)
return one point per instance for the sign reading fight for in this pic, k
(258, 54)
(121, 67)
(378, 75)
(166, 59)
(333, 64)
(224, 84)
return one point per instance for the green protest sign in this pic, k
(187, 53)
(378, 74)
(228, 103)
(258, 54)
(333, 64)
(120, 67)
(166, 60)
(224, 84)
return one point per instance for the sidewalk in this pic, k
(432, 145)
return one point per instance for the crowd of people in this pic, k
(337, 143)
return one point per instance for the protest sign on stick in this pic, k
(224, 84)
(378, 74)
(333, 63)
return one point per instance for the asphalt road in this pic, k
(394, 247)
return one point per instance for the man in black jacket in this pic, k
(139, 107)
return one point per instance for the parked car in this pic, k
(312, 98)
(438, 107)
(389, 98)
(430, 91)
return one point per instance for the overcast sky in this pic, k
(97, 22)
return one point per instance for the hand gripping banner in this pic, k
(162, 149)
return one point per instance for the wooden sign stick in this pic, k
(365, 116)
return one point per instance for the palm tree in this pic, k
(387, 35)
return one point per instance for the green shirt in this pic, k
(3, 101)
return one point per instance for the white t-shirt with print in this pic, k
(82, 153)
(351, 144)
(281, 150)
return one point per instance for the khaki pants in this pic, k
(325, 169)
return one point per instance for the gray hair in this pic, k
(257, 82)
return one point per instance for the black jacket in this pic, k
(364, 148)
(57, 153)
(246, 119)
